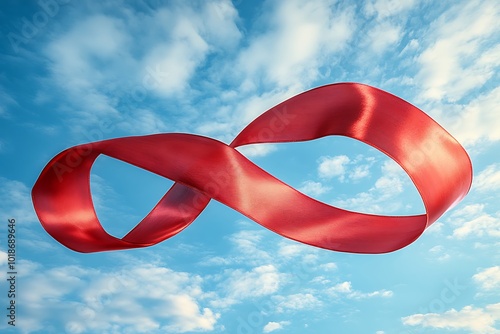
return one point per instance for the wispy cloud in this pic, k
(462, 49)
(191, 34)
(383, 195)
(256, 248)
(241, 285)
(382, 36)
(345, 289)
(488, 179)
(289, 249)
(94, 300)
(299, 38)
(313, 188)
(15, 201)
(384, 9)
(330, 167)
(476, 121)
(110, 66)
(475, 320)
(473, 220)
(438, 252)
(329, 266)
(73, 59)
(258, 150)
(488, 279)
(249, 247)
(339, 167)
(274, 326)
(6, 101)
(295, 302)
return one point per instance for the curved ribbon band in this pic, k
(205, 168)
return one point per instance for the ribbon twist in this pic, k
(204, 168)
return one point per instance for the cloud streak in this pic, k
(157, 299)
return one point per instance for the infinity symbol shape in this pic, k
(204, 168)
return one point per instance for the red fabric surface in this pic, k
(205, 168)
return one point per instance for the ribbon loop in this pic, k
(205, 168)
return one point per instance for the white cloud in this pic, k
(359, 172)
(6, 101)
(300, 35)
(3, 262)
(488, 279)
(385, 32)
(273, 326)
(118, 300)
(386, 8)
(472, 220)
(330, 167)
(382, 36)
(477, 120)
(389, 184)
(240, 285)
(436, 249)
(3, 257)
(175, 62)
(461, 50)
(216, 261)
(48, 293)
(219, 24)
(410, 47)
(438, 253)
(184, 35)
(107, 64)
(97, 38)
(15, 201)
(143, 121)
(101, 193)
(300, 301)
(191, 33)
(312, 188)
(345, 289)
(475, 320)
(249, 248)
(488, 179)
(260, 281)
(257, 150)
(436, 227)
(384, 195)
(241, 108)
(391, 167)
(288, 249)
(468, 211)
(484, 225)
(330, 266)
(487, 245)
(321, 280)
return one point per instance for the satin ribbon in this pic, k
(204, 168)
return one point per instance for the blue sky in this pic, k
(78, 71)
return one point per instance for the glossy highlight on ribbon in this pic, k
(205, 169)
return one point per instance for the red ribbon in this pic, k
(205, 168)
